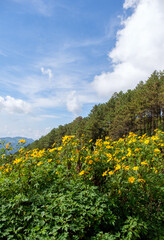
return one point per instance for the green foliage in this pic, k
(113, 191)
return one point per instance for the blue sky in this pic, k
(59, 58)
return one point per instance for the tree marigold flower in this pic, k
(131, 179)
(157, 150)
(135, 168)
(141, 180)
(105, 173)
(144, 163)
(82, 173)
(137, 150)
(39, 163)
(17, 160)
(52, 150)
(22, 141)
(127, 168)
(117, 167)
(7, 145)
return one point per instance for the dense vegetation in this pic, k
(74, 191)
(97, 178)
(140, 111)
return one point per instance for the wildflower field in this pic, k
(107, 190)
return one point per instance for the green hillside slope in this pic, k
(140, 110)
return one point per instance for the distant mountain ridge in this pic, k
(14, 142)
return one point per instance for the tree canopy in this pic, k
(140, 110)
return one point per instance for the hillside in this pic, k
(103, 181)
(140, 110)
(73, 192)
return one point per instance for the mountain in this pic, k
(14, 142)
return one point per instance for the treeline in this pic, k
(140, 111)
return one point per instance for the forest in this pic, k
(140, 111)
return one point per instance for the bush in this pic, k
(112, 190)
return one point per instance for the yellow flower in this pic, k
(108, 147)
(121, 140)
(135, 168)
(144, 163)
(39, 163)
(147, 141)
(82, 173)
(141, 180)
(49, 160)
(117, 167)
(7, 145)
(106, 138)
(22, 141)
(21, 150)
(137, 150)
(65, 138)
(105, 173)
(111, 173)
(127, 168)
(129, 152)
(51, 150)
(90, 161)
(109, 155)
(157, 150)
(17, 160)
(131, 179)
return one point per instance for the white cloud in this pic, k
(73, 103)
(49, 101)
(130, 3)
(47, 72)
(12, 105)
(139, 48)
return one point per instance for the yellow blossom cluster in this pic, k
(128, 161)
